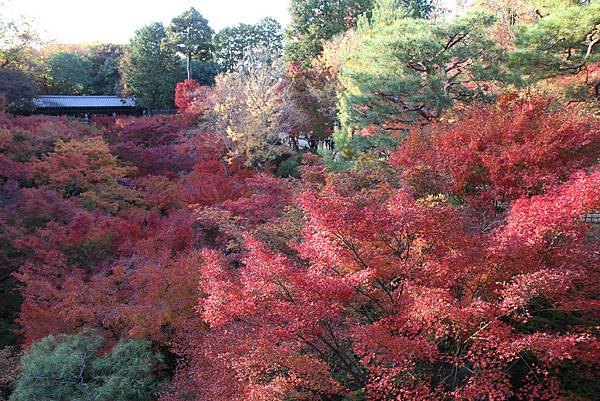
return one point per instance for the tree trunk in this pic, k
(189, 66)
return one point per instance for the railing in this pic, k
(592, 217)
(152, 112)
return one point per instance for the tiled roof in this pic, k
(82, 101)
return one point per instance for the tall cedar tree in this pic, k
(191, 36)
(105, 60)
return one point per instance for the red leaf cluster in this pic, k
(191, 97)
(510, 149)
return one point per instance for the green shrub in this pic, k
(69, 368)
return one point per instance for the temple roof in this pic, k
(66, 102)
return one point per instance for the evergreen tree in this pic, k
(233, 43)
(191, 36)
(203, 72)
(70, 74)
(316, 21)
(150, 70)
(105, 69)
(563, 41)
(407, 69)
(69, 368)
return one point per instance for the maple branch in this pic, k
(350, 245)
(286, 291)
(382, 285)
(350, 363)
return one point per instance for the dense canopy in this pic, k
(397, 205)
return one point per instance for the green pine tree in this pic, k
(563, 41)
(407, 69)
(69, 368)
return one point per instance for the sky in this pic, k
(81, 21)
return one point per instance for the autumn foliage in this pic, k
(516, 147)
(462, 269)
(191, 97)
